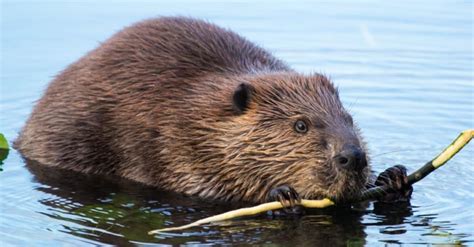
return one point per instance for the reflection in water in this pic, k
(392, 214)
(397, 219)
(112, 210)
(105, 209)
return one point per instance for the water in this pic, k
(404, 69)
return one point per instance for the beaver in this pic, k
(187, 106)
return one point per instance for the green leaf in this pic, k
(4, 148)
(3, 142)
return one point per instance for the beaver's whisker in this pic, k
(349, 108)
(400, 151)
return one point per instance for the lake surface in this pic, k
(404, 69)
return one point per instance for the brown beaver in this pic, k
(190, 107)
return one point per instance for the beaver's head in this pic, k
(278, 129)
(297, 133)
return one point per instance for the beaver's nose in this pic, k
(351, 157)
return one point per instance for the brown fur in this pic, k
(154, 104)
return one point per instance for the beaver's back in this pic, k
(99, 114)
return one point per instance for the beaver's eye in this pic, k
(300, 126)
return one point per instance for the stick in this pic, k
(247, 212)
(419, 174)
(429, 167)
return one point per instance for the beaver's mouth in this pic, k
(349, 193)
(340, 191)
(332, 182)
(347, 186)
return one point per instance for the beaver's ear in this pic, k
(241, 98)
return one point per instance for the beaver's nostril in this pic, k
(342, 160)
(351, 157)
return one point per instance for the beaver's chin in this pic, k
(346, 191)
(348, 194)
(341, 194)
(342, 186)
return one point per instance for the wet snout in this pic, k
(351, 157)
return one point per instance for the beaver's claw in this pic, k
(288, 197)
(397, 180)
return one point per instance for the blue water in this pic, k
(404, 69)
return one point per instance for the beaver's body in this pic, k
(190, 107)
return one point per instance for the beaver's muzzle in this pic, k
(351, 157)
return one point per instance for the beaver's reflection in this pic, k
(392, 213)
(112, 210)
(109, 210)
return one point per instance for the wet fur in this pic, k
(154, 104)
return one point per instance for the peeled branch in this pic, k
(429, 167)
(369, 194)
(247, 212)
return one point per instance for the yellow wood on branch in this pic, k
(247, 212)
(442, 158)
(452, 149)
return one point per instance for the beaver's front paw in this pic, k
(397, 180)
(288, 197)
